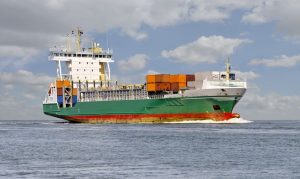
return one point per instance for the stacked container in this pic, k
(74, 96)
(168, 82)
(160, 82)
(178, 82)
(66, 95)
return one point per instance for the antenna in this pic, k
(107, 41)
(69, 42)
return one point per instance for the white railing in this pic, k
(224, 84)
(62, 52)
(113, 95)
(117, 95)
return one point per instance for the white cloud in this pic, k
(133, 78)
(256, 105)
(249, 75)
(17, 51)
(256, 15)
(129, 16)
(22, 94)
(205, 49)
(130, 78)
(138, 77)
(134, 63)
(152, 72)
(269, 106)
(282, 61)
(27, 78)
(115, 14)
(284, 13)
(217, 10)
(99, 16)
(16, 55)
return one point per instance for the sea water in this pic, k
(56, 149)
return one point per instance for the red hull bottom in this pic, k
(150, 118)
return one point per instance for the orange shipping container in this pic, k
(150, 78)
(151, 87)
(162, 78)
(177, 86)
(59, 91)
(179, 78)
(190, 77)
(67, 83)
(163, 86)
(74, 93)
(158, 87)
(59, 83)
(173, 78)
(62, 83)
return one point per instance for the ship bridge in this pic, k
(80, 64)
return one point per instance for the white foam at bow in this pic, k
(210, 121)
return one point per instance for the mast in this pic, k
(78, 33)
(228, 68)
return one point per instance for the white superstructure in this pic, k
(80, 64)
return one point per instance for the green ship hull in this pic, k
(148, 110)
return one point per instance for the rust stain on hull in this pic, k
(149, 118)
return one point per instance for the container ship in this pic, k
(83, 91)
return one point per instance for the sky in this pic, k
(261, 37)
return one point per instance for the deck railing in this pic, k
(117, 95)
